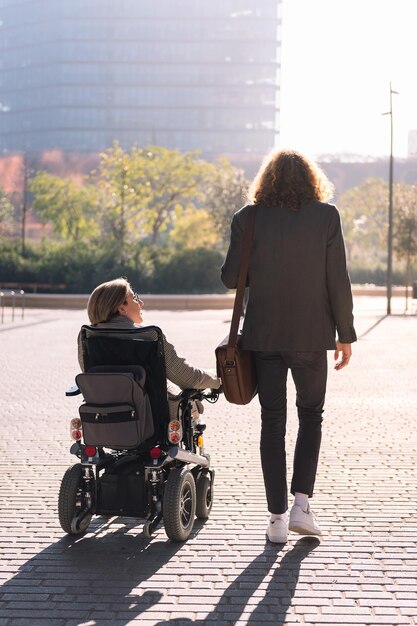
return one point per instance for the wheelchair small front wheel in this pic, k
(73, 513)
(204, 491)
(179, 504)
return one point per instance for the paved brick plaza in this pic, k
(363, 571)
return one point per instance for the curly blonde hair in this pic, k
(286, 178)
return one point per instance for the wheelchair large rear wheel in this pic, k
(73, 513)
(204, 491)
(179, 504)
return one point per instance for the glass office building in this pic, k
(188, 74)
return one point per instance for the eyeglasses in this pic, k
(136, 297)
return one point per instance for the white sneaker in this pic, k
(303, 523)
(277, 531)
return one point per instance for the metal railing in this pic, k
(16, 299)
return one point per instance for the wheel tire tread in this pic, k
(204, 482)
(171, 504)
(66, 499)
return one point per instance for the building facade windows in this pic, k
(186, 74)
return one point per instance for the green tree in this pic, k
(225, 185)
(193, 229)
(174, 184)
(142, 190)
(66, 205)
(121, 197)
(6, 213)
(364, 214)
(405, 228)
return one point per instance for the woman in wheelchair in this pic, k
(114, 304)
(140, 456)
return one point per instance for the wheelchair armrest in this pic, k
(73, 391)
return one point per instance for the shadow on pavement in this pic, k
(273, 604)
(368, 330)
(17, 325)
(99, 578)
(94, 578)
(404, 316)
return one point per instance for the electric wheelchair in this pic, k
(134, 460)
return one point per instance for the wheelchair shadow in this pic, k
(273, 606)
(102, 574)
(99, 574)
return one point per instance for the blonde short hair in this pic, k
(105, 300)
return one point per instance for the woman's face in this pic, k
(132, 308)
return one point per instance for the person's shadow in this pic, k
(100, 577)
(273, 607)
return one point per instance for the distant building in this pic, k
(345, 175)
(188, 74)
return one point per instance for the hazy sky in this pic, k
(338, 57)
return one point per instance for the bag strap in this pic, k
(241, 284)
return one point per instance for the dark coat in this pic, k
(299, 287)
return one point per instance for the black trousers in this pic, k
(309, 372)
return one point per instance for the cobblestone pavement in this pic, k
(363, 570)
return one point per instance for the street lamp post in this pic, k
(390, 202)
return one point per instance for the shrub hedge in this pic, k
(150, 270)
(82, 268)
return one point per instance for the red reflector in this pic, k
(155, 453)
(174, 437)
(90, 450)
(75, 422)
(76, 434)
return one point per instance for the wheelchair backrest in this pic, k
(121, 351)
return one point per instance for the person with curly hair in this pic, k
(299, 306)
